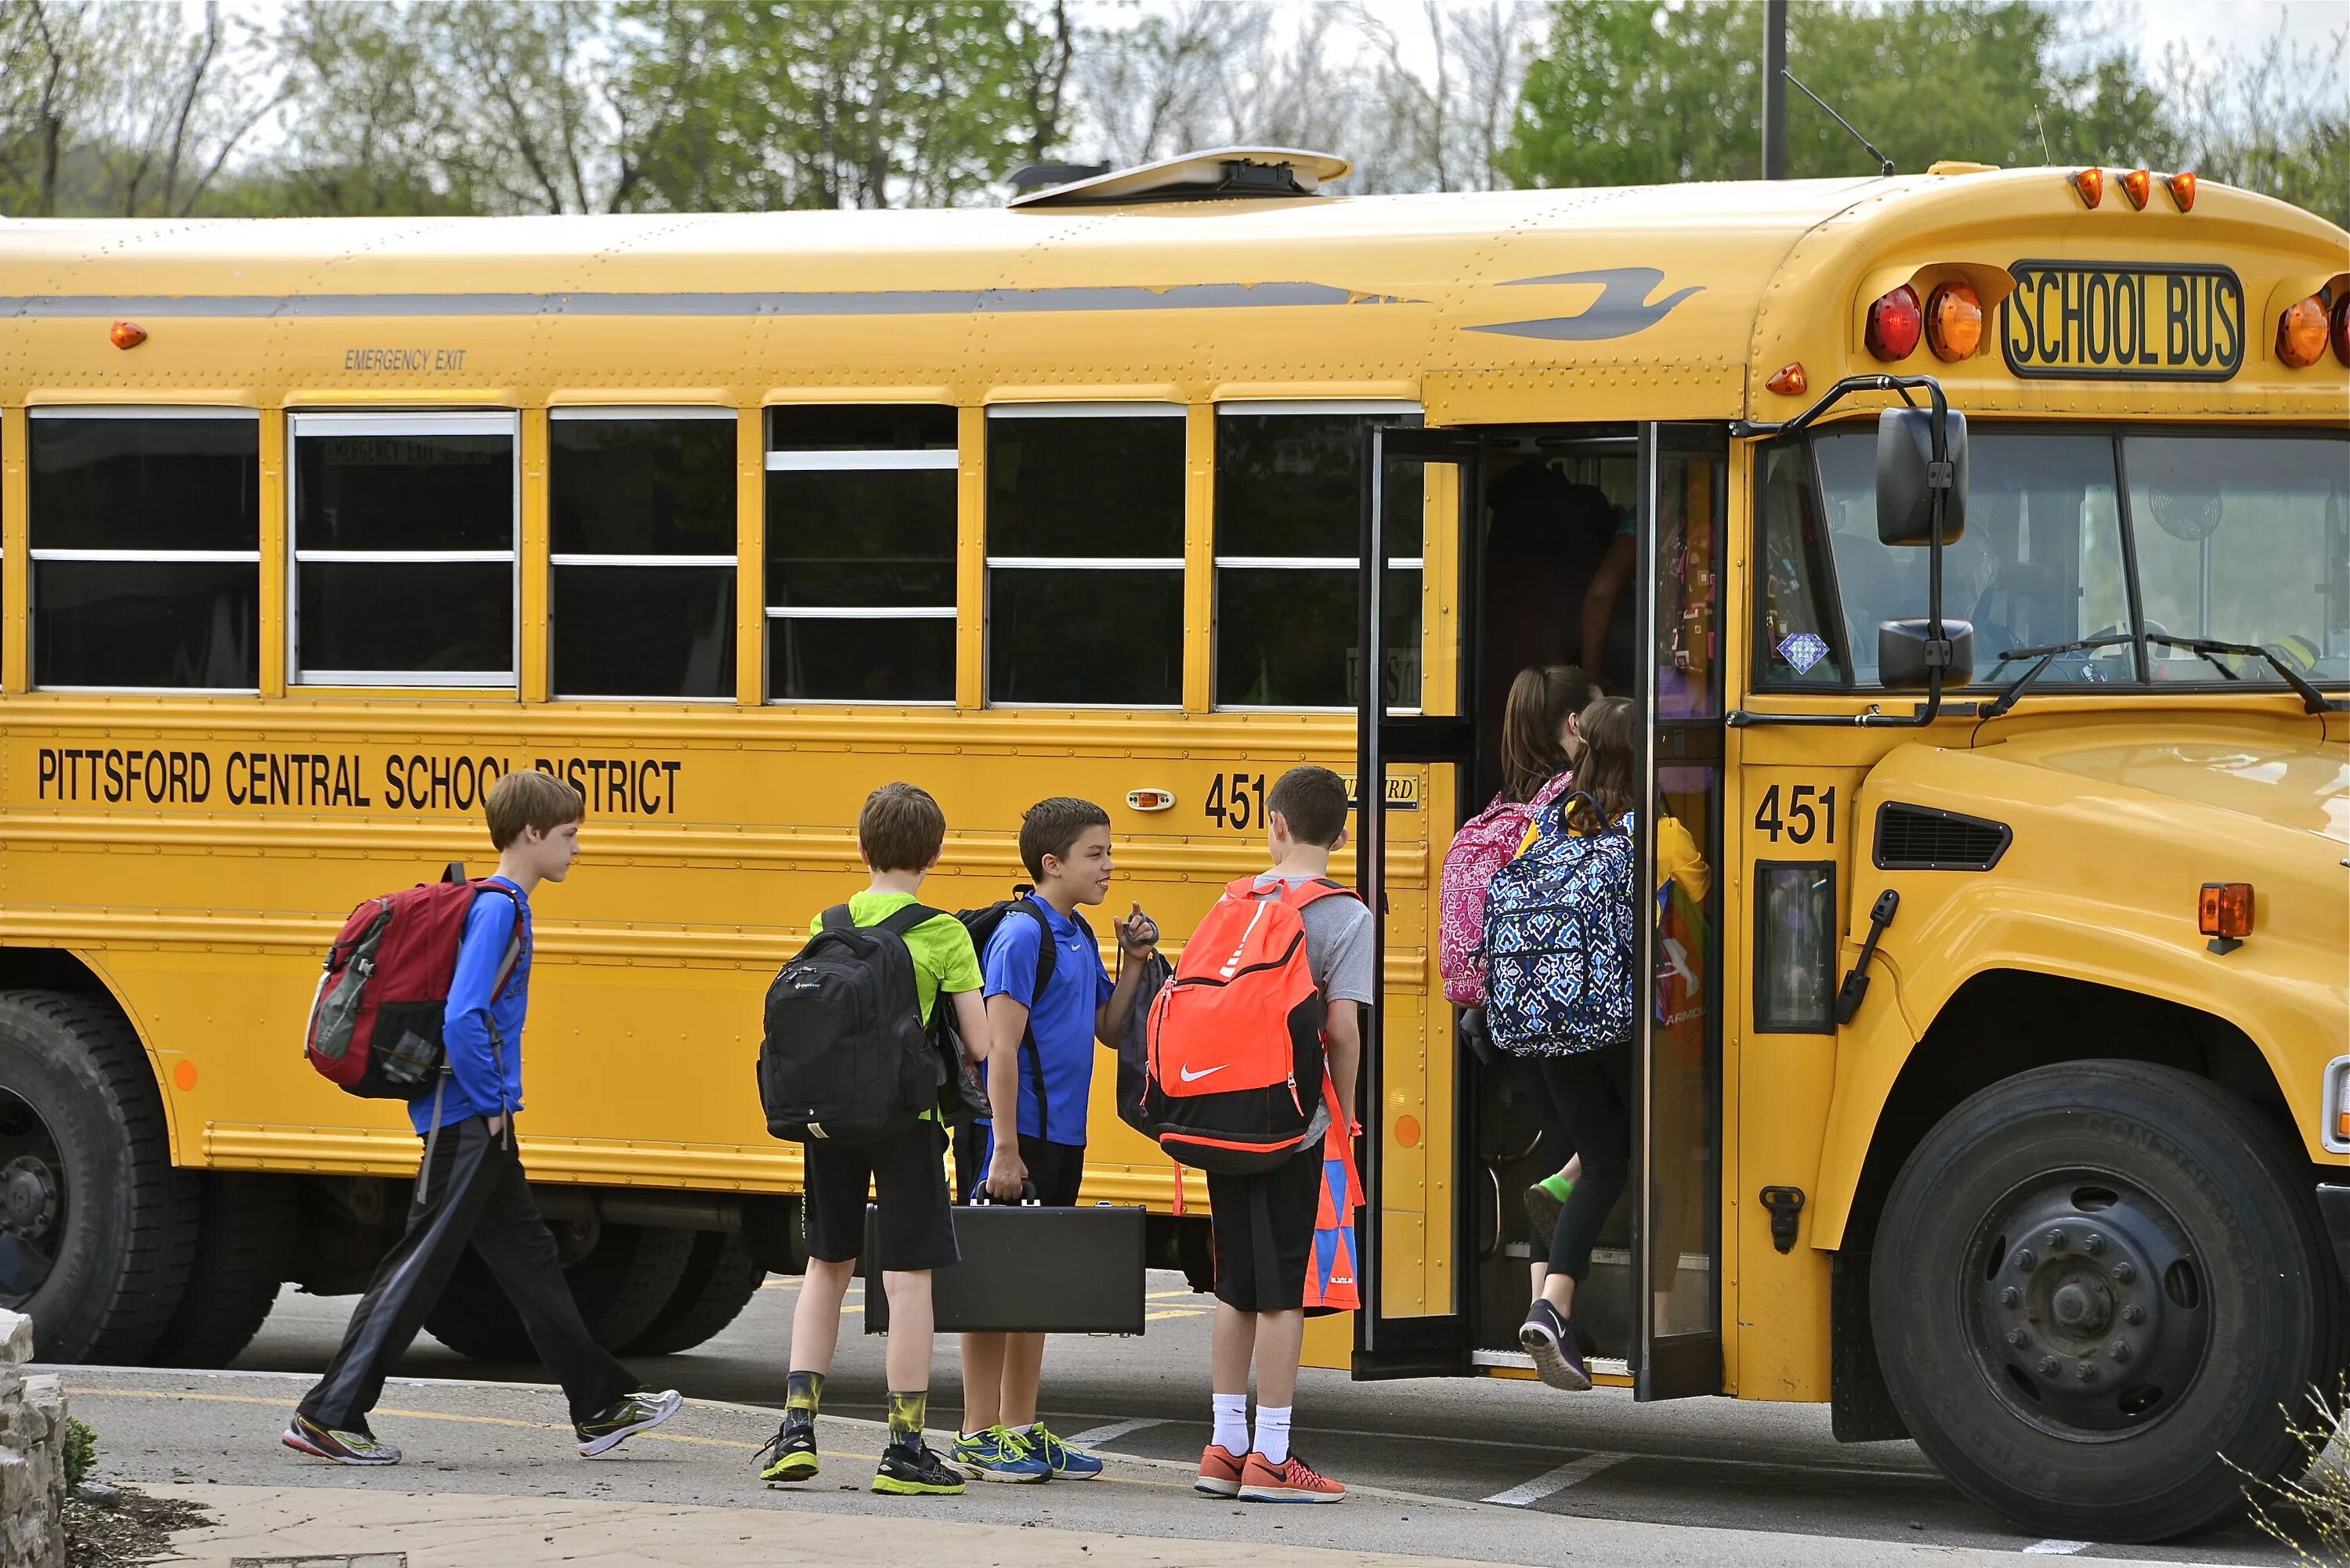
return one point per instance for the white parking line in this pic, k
(1572, 1473)
(2055, 1548)
(1096, 1436)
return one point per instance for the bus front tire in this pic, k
(2096, 1291)
(98, 1231)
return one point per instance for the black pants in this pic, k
(1593, 1093)
(477, 1193)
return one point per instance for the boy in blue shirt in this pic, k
(1064, 844)
(474, 1191)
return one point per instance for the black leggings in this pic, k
(1592, 1092)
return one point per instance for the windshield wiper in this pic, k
(2312, 699)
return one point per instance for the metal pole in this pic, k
(1775, 90)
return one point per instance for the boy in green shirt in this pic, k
(899, 835)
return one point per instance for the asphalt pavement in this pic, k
(1490, 1470)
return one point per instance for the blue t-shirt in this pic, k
(1062, 1020)
(485, 1073)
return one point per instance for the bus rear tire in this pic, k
(720, 1279)
(98, 1231)
(623, 1279)
(2093, 1288)
(248, 1225)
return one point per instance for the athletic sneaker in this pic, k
(637, 1413)
(1220, 1472)
(1544, 1200)
(360, 1448)
(1292, 1480)
(1553, 1342)
(794, 1446)
(1062, 1462)
(998, 1454)
(915, 1472)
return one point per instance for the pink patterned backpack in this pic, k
(1486, 842)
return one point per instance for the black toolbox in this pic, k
(1030, 1270)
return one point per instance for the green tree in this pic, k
(123, 110)
(1632, 92)
(866, 104)
(2271, 121)
(501, 106)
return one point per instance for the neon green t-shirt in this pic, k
(940, 947)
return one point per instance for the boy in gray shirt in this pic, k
(1265, 1224)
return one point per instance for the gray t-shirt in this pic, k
(1337, 945)
(1339, 955)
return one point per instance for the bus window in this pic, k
(642, 506)
(861, 552)
(1800, 645)
(2242, 539)
(2040, 561)
(145, 543)
(1289, 496)
(404, 549)
(1085, 554)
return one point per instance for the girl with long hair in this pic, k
(1592, 1088)
(1539, 744)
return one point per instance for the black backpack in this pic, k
(846, 1058)
(971, 1103)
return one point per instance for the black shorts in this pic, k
(1056, 1170)
(906, 1174)
(1263, 1228)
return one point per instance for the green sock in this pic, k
(907, 1414)
(1557, 1186)
(803, 1391)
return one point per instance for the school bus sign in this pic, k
(2117, 322)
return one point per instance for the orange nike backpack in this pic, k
(1236, 1062)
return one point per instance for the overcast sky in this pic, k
(2146, 26)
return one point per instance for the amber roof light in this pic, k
(1954, 322)
(2091, 184)
(2182, 189)
(2302, 332)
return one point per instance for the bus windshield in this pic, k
(2237, 538)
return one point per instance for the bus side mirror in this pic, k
(1906, 653)
(1906, 475)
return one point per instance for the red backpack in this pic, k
(375, 1024)
(1236, 1060)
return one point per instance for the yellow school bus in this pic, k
(1997, 1092)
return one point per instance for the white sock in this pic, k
(1272, 1433)
(1232, 1422)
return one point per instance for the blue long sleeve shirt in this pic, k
(483, 1039)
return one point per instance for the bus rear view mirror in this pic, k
(1905, 474)
(1906, 649)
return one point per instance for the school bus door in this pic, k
(1428, 1327)
(1415, 1319)
(1676, 1084)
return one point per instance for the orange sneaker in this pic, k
(1292, 1480)
(1219, 1472)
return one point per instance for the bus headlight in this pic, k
(2333, 1113)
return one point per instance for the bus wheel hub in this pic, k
(2088, 1316)
(29, 1197)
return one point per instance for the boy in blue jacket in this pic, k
(473, 1190)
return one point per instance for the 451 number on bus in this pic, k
(1235, 801)
(1809, 812)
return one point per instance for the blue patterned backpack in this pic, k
(1559, 940)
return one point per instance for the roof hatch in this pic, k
(1218, 172)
